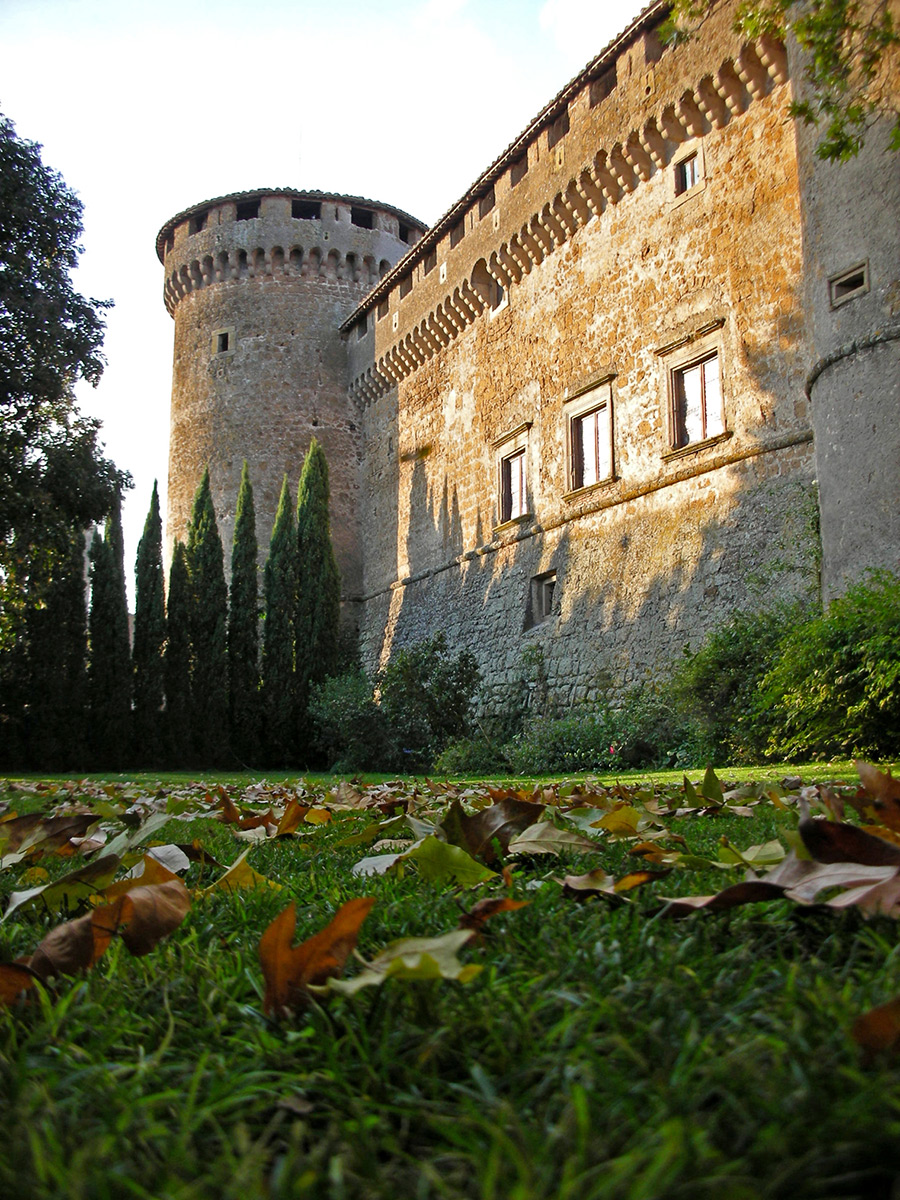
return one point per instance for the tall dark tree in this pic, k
(149, 640)
(278, 635)
(177, 661)
(243, 628)
(318, 613)
(209, 630)
(57, 667)
(109, 674)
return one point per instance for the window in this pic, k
(696, 401)
(247, 210)
(382, 310)
(363, 217)
(362, 328)
(405, 286)
(518, 170)
(687, 174)
(430, 261)
(485, 204)
(404, 232)
(306, 210)
(541, 591)
(198, 222)
(591, 447)
(848, 285)
(513, 501)
(223, 341)
(457, 233)
(601, 88)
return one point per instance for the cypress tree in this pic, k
(177, 661)
(209, 629)
(109, 674)
(278, 635)
(149, 639)
(57, 644)
(318, 613)
(243, 628)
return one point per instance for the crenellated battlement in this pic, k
(599, 182)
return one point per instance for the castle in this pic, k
(643, 374)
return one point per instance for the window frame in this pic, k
(593, 399)
(691, 151)
(679, 358)
(512, 448)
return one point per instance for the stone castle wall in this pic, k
(606, 292)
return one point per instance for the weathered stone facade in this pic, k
(575, 414)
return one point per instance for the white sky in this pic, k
(148, 108)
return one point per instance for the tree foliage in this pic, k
(278, 633)
(851, 50)
(243, 628)
(110, 681)
(177, 660)
(318, 613)
(208, 626)
(149, 639)
(53, 476)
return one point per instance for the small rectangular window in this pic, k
(198, 222)
(513, 502)
(247, 210)
(687, 174)
(486, 203)
(223, 341)
(848, 285)
(457, 233)
(697, 412)
(363, 217)
(405, 286)
(382, 310)
(404, 232)
(541, 593)
(362, 328)
(306, 210)
(430, 262)
(558, 129)
(518, 170)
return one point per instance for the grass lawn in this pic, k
(603, 1050)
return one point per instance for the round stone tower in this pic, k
(258, 284)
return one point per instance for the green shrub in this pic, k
(351, 729)
(713, 691)
(478, 755)
(834, 688)
(427, 697)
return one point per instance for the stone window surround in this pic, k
(588, 398)
(693, 149)
(217, 348)
(510, 445)
(678, 356)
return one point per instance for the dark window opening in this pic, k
(363, 217)
(687, 174)
(170, 244)
(848, 284)
(486, 203)
(405, 286)
(306, 210)
(405, 233)
(558, 130)
(247, 210)
(221, 343)
(518, 170)
(457, 233)
(601, 87)
(198, 222)
(430, 261)
(382, 310)
(541, 592)
(362, 328)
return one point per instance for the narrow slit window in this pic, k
(848, 285)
